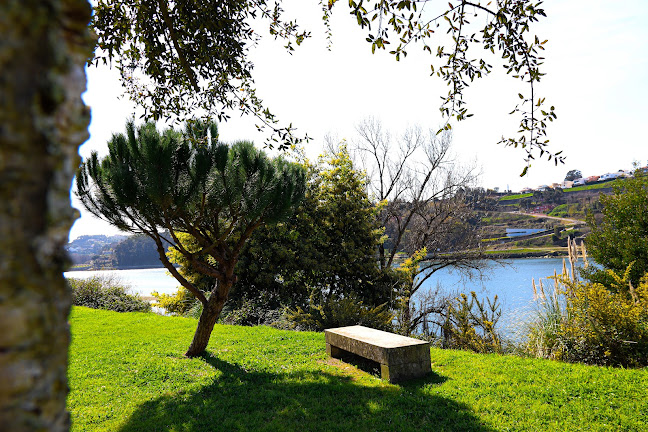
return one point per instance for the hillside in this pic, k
(127, 373)
(100, 252)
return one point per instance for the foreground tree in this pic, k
(620, 238)
(179, 57)
(190, 183)
(44, 45)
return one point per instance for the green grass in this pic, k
(127, 373)
(523, 251)
(594, 186)
(516, 196)
(603, 185)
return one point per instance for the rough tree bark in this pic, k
(43, 48)
(206, 323)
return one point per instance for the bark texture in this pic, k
(43, 48)
(206, 323)
(208, 317)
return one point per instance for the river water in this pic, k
(510, 282)
(142, 281)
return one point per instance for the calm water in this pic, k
(511, 283)
(142, 281)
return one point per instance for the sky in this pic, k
(596, 65)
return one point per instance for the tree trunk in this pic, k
(43, 49)
(206, 323)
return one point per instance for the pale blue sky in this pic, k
(597, 77)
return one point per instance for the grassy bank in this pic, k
(595, 186)
(527, 253)
(516, 196)
(127, 373)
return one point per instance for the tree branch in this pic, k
(164, 10)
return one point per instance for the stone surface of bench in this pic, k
(400, 357)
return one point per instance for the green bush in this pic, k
(560, 211)
(347, 311)
(543, 332)
(252, 312)
(244, 312)
(593, 323)
(470, 324)
(179, 303)
(106, 292)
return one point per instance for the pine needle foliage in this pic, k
(189, 182)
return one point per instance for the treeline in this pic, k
(138, 251)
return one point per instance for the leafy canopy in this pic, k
(324, 252)
(620, 239)
(187, 182)
(573, 175)
(186, 57)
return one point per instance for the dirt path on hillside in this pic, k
(540, 215)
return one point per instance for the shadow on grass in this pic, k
(301, 401)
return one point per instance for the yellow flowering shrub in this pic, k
(470, 324)
(591, 322)
(607, 325)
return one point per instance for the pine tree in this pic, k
(190, 183)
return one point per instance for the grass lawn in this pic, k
(127, 373)
(516, 196)
(594, 186)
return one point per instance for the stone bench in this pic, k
(400, 357)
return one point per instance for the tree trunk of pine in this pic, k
(206, 323)
(43, 48)
(207, 320)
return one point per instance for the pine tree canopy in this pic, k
(190, 183)
(187, 182)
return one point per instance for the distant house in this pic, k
(592, 179)
(579, 182)
(610, 176)
(526, 190)
(556, 186)
(543, 188)
(567, 184)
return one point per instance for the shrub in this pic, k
(603, 323)
(560, 211)
(347, 311)
(254, 311)
(179, 303)
(106, 292)
(607, 325)
(470, 324)
(543, 333)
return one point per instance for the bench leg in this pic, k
(401, 372)
(384, 372)
(334, 351)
